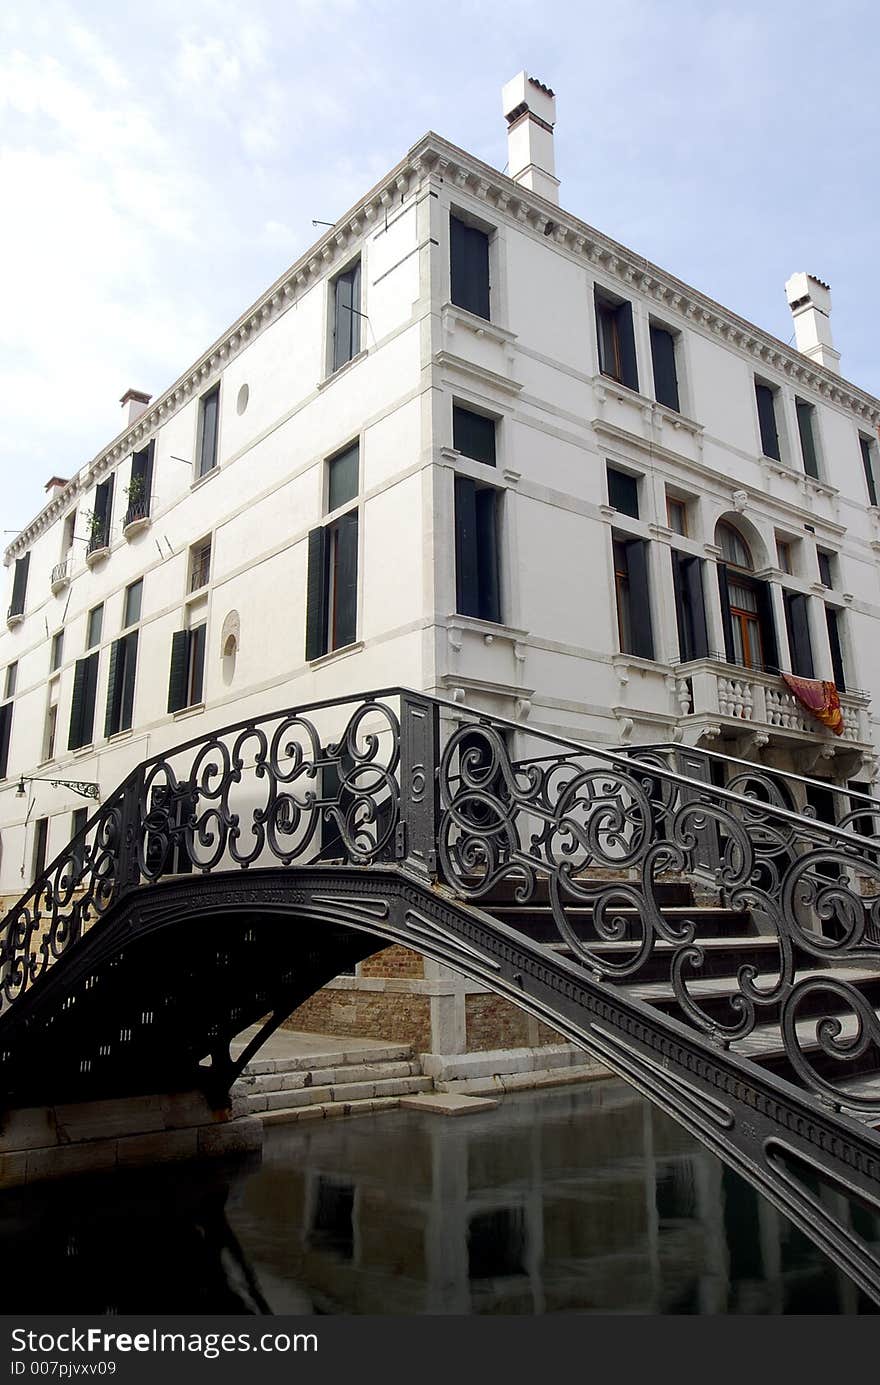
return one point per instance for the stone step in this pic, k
(252, 1084)
(524, 1081)
(339, 1092)
(303, 1062)
(325, 1110)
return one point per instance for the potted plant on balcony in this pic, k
(97, 533)
(137, 509)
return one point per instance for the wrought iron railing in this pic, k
(363, 780)
(137, 510)
(99, 536)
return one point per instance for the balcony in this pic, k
(14, 616)
(722, 701)
(60, 575)
(137, 517)
(99, 543)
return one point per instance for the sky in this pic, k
(161, 164)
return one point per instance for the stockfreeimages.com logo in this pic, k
(96, 1339)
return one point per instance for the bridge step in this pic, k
(324, 1110)
(323, 1077)
(335, 1092)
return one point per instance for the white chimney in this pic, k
(810, 303)
(530, 110)
(54, 486)
(137, 402)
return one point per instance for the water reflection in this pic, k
(582, 1199)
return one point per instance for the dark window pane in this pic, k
(767, 420)
(57, 649)
(346, 316)
(487, 555)
(469, 265)
(208, 449)
(196, 665)
(476, 551)
(5, 731)
(11, 679)
(473, 435)
(96, 623)
(665, 376)
(808, 441)
(825, 573)
(832, 618)
(342, 481)
(41, 838)
(623, 493)
(798, 626)
(133, 596)
(868, 464)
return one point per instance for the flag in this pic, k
(821, 700)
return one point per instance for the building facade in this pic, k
(467, 444)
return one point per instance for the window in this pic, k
(746, 605)
(187, 675)
(331, 606)
(826, 571)
(99, 529)
(477, 584)
(617, 346)
(832, 620)
(623, 492)
(690, 606)
(51, 727)
(5, 732)
(676, 515)
(868, 459)
(797, 621)
(82, 706)
(766, 401)
(199, 565)
(783, 553)
(95, 626)
(469, 267)
(633, 597)
(41, 838)
(209, 411)
(68, 533)
(346, 293)
(133, 600)
(57, 651)
(663, 359)
(473, 435)
(806, 421)
(140, 485)
(19, 585)
(11, 680)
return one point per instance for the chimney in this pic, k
(810, 303)
(54, 486)
(530, 111)
(137, 402)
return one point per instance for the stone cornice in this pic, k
(434, 155)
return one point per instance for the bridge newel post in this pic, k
(416, 844)
(128, 869)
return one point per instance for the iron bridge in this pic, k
(712, 945)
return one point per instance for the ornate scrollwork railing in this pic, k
(605, 830)
(362, 780)
(282, 789)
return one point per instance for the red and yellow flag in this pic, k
(820, 699)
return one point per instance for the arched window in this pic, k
(749, 633)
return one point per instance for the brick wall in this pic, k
(367, 1014)
(394, 961)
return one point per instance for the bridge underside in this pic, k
(154, 993)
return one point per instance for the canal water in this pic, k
(582, 1199)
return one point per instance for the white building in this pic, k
(469, 444)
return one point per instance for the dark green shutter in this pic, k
(469, 266)
(130, 643)
(208, 451)
(663, 358)
(808, 441)
(75, 739)
(473, 435)
(639, 599)
(5, 731)
(316, 598)
(767, 623)
(346, 580)
(767, 420)
(832, 619)
(346, 316)
(690, 608)
(196, 665)
(868, 464)
(726, 620)
(19, 584)
(179, 664)
(90, 692)
(114, 688)
(467, 589)
(798, 623)
(629, 374)
(487, 555)
(623, 493)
